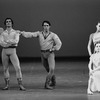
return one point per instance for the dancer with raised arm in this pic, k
(49, 42)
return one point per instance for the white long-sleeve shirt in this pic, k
(52, 40)
(9, 38)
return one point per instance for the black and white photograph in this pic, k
(50, 50)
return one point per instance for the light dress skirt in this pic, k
(96, 81)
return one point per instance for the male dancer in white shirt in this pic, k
(9, 39)
(49, 42)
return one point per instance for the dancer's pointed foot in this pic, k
(89, 92)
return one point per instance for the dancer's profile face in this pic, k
(97, 47)
(98, 26)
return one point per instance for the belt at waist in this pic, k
(10, 47)
(48, 50)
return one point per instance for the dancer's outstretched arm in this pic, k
(29, 34)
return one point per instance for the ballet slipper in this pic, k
(89, 92)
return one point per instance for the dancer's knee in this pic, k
(5, 69)
(18, 69)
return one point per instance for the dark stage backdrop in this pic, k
(72, 20)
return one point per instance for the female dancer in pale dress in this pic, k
(94, 71)
(95, 38)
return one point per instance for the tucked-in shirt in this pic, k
(51, 41)
(10, 38)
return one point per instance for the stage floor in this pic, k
(71, 76)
